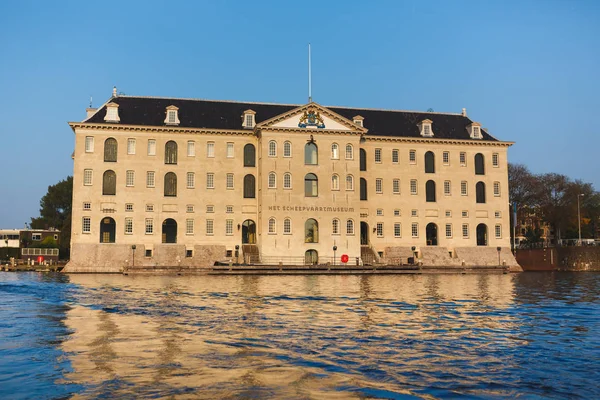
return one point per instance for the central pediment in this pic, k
(312, 116)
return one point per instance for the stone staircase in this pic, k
(368, 255)
(398, 255)
(251, 254)
(484, 256)
(435, 256)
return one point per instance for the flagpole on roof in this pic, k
(309, 77)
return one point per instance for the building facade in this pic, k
(184, 183)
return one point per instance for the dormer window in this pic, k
(358, 120)
(475, 130)
(112, 112)
(425, 128)
(172, 116)
(248, 120)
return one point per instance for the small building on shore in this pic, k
(30, 244)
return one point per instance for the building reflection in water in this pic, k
(283, 336)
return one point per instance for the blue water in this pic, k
(529, 335)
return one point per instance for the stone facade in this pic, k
(369, 190)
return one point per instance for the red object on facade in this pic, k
(344, 258)
(40, 259)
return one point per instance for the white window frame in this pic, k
(495, 160)
(350, 180)
(378, 185)
(150, 179)
(377, 156)
(149, 207)
(86, 225)
(128, 207)
(210, 180)
(497, 191)
(129, 178)
(228, 227)
(379, 229)
(396, 186)
(229, 181)
(412, 157)
(287, 226)
(272, 180)
(350, 227)
(191, 148)
(287, 149)
(189, 208)
(88, 177)
(414, 187)
(335, 226)
(189, 226)
(447, 188)
(287, 181)
(465, 231)
(272, 148)
(498, 231)
(463, 159)
(446, 158)
(210, 149)
(349, 152)
(272, 226)
(414, 229)
(131, 146)
(230, 150)
(397, 230)
(89, 144)
(87, 205)
(335, 182)
(448, 231)
(190, 180)
(149, 226)
(464, 188)
(335, 151)
(129, 226)
(395, 156)
(210, 227)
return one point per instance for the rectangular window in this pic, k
(229, 183)
(465, 214)
(249, 120)
(130, 146)
(87, 177)
(230, 150)
(191, 148)
(498, 231)
(287, 226)
(189, 226)
(229, 227)
(447, 188)
(378, 185)
(395, 157)
(448, 230)
(191, 180)
(151, 147)
(210, 149)
(210, 227)
(412, 157)
(378, 156)
(397, 213)
(379, 212)
(463, 188)
(229, 209)
(415, 230)
(495, 160)
(148, 253)
(446, 158)
(465, 231)
(129, 207)
(498, 214)
(129, 226)
(496, 189)
(379, 228)
(414, 213)
(396, 186)
(397, 230)
(149, 226)
(129, 178)
(86, 225)
(210, 209)
(87, 205)
(149, 207)
(463, 159)
(189, 208)
(89, 144)
(150, 179)
(413, 186)
(448, 213)
(210, 180)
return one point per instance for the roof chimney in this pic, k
(464, 112)
(90, 111)
(114, 93)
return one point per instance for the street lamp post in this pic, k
(334, 250)
(133, 247)
(579, 216)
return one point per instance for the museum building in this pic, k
(166, 182)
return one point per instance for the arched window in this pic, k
(109, 183)
(170, 152)
(311, 154)
(108, 229)
(287, 226)
(272, 148)
(429, 163)
(170, 184)
(363, 189)
(311, 185)
(480, 192)
(311, 257)
(249, 155)
(335, 226)
(479, 164)
(335, 151)
(249, 187)
(272, 181)
(349, 182)
(110, 150)
(363, 159)
(349, 152)
(311, 231)
(350, 227)
(248, 232)
(287, 180)
(335, 182)
(272, 226)
(169, 231)
(430, 191)
(287, 149)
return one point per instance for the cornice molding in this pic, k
(473, 142)
(171, 129)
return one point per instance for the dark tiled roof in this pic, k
(228, 115)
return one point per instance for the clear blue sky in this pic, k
(527, 70)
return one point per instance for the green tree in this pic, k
(55, 212)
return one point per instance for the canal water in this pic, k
(528, 335)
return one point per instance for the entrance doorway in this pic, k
(431, 234)
(311, 257)
(482, 235)
(169, 231)
(248, 232)
(364, 233)
(108, 227)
